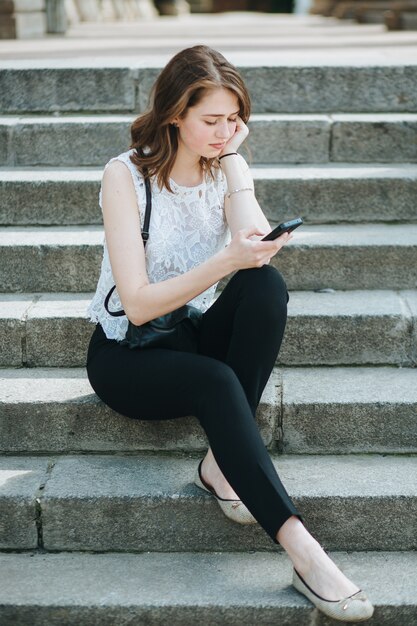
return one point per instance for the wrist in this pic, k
(227, 261)
(227, 154)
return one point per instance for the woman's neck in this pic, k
(186, 170)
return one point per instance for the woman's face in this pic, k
(208, 125)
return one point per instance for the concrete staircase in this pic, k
(100, 523)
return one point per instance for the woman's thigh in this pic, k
(153, 383)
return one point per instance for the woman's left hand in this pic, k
(239, 136)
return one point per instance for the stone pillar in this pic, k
(56, 17)
(89, 10)
(146, 9)
(71, 11)
(22, 19)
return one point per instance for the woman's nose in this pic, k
(222, 131)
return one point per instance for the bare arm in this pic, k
(242, 209)
(141, 300)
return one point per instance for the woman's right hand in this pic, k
(244, 252)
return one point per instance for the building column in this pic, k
(22, 19)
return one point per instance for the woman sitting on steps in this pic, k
(205, 224)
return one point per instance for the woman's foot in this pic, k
(212, 480)
(313, 563)
(317, 577)
(213, 476)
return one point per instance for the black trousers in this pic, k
(221, 385)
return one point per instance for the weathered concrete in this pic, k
(50, 410)
(47, 197)
(367, 256)
(274, 87)
(334, 193)
(108, 589)
(348, 410)
(53, 259)
(67, 89)
(13, 311)
(20, 479)
(374, 138)
(409, 299)
(346, 328)
(148, 502)
(321, 194)
(41, 141)
(326, 193)
(273, 138)
(57, 332)
(340, 328)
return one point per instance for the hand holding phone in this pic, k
(285, 227)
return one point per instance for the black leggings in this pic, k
(239, 340)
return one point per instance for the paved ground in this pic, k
(249, 38)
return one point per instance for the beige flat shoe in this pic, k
(233, 509)
(354, 608)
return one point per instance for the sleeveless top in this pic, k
(186, 228)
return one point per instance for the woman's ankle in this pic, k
(299, 544)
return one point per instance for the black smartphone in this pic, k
(285, 227)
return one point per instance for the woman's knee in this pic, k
(263, 278)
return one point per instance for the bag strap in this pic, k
(145, 237)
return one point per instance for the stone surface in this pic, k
(348, 410)
(273, 139)
(339, 328)
(149, 502)
(274, 88)
(57, 332)
(347, 328)
(48, 197)
(66, 89)
(289, 138)
(409, 299)
(56, 410)
(311, 89)
(53, 259)
(367, 256)
(20, 479)
(13, 312)
(338, 193)
(374, 138)
(323, 193)
(108, 589)
(44, 141)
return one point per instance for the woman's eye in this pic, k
(213, 123)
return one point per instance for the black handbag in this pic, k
(177, 330)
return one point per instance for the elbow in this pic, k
(136, 309)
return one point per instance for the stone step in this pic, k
(109, 589)
(276, 85)
(55, 410)
(357, 138)
(148, 502)
(323, 410)
(327, 193)
(366, 256)
(336, 328)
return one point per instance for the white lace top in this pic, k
(186, 228)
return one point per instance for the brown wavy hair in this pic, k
(182, 84)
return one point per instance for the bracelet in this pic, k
(237, 190)
(225, 155)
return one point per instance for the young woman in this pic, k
(205, 224)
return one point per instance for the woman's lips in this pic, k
(217, 145)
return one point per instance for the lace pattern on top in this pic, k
(186, 228)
